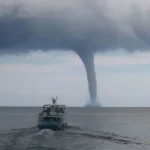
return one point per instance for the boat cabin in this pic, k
(53, 109)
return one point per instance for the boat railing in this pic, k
(52, 112)
(49, 105)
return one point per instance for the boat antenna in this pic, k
(54, 100)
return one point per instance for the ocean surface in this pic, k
(89, 129)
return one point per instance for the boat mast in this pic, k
(54, 100)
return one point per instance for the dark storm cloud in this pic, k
(83, 26)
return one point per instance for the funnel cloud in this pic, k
(84, 27)
(88, 61)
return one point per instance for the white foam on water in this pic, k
(45, 131)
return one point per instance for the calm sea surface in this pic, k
(89, 129)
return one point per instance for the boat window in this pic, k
(42, 119)
(51, 119)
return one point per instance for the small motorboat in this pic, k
(52, 116)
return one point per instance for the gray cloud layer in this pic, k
(89, 25)
(84, 26)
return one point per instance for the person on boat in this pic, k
(57, 110)
(61, 110)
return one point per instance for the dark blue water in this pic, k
(89, 129)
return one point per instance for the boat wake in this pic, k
(73, 136)
(103, 136)
(74, 128)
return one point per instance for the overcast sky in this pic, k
(123, 79)
(107, 29)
